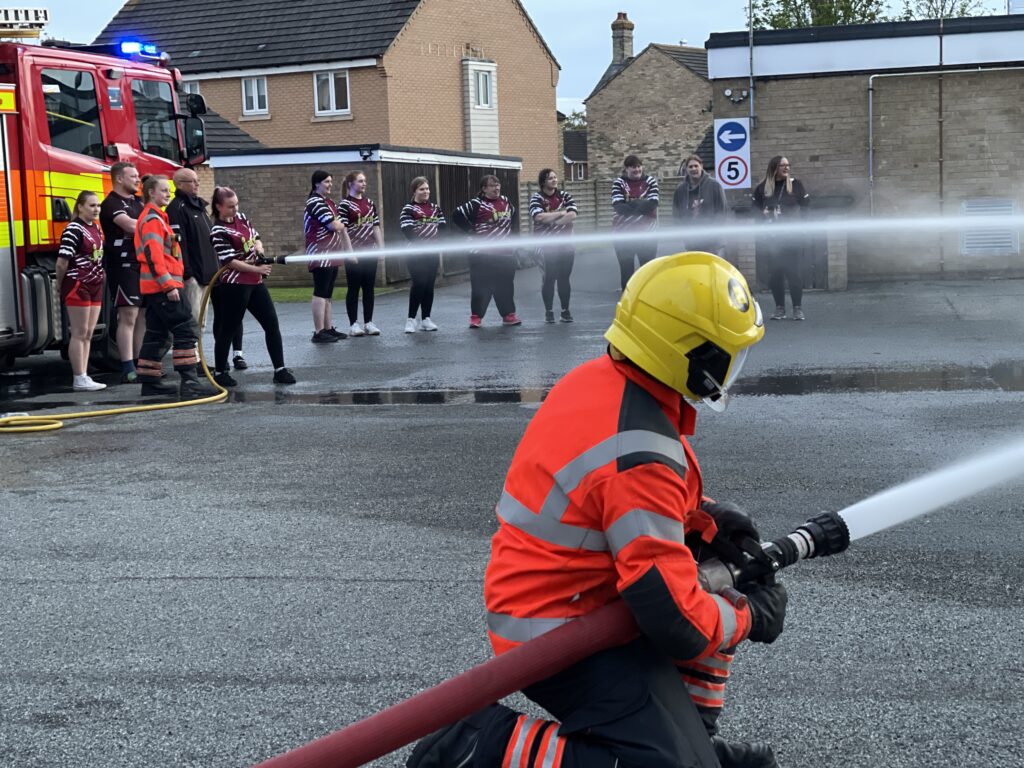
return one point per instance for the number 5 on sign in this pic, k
(732, 152)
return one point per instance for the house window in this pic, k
(483, 83)
(190, 86)
(330, 93)
(72, 112)
(254, 96)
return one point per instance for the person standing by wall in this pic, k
(492, 272)
(699, 201)
(119, 215)
(635, 206)
(359, 215)
(781, 198)
(422, 223)
(325, 233)
(80, 277)
(191, 223)
(162, 286)
(239, 249)
(553, 212)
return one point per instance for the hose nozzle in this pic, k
(822, 535)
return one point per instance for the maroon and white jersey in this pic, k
(359, 215)
(486, 219)
(236, 240)
(82, 245)
(421, 221)
(320, 238)
(559, 201)
(632, 203)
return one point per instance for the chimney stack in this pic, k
(622, 39)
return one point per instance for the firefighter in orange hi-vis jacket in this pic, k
(604, 501)
(168, 314)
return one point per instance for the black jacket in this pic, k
(781, 204)
(191, 223)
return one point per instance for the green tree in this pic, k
(576, 121)
(791, 14)
(942, 9)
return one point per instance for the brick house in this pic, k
(656, 104)
(438, 74)
(891, 119)
(574, 156)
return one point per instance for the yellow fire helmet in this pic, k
(688, 320)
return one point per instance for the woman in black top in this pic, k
(780, 199)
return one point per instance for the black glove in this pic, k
(737, 539)
(767, 605)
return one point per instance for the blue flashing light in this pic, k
(135, 48)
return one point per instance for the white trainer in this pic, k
(410, 325)
(356, 330)
(371, 329)
(428, 324)
(85, 383)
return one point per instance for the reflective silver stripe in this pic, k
(524, 731)
(704, 693)
(712, 663)
(516, 514)
(163, 279)
(552, 751)
(568, 478)
(728, 615)
(641, 522)
(517, 630)
(151, 236)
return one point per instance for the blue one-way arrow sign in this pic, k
(732, 136)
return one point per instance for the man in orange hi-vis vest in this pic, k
(604, 501)
(162, 285)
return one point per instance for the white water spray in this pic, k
(933, 491)
(459, 243)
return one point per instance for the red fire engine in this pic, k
(67, 113)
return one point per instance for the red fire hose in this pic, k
(463, 695)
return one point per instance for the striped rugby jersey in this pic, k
(485, 218)
(118, 245)
(421, 221)
(624, 191)
(233, 240)
(541, 203)
(82, 245)
(359, 215)
(320, 238)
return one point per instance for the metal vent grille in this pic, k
(989, 242)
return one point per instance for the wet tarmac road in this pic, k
(210, 586)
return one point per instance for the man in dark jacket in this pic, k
(699, 202)
(191, 223)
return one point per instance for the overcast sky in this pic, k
(577, 31)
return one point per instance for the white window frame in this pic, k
(332, 73)
(190, 86)
(487, 76)
(256, 96)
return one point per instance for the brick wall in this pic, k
(821, 125)
(291, 121)
(426, 99)
(654, 108)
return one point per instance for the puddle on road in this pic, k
(1007, 376)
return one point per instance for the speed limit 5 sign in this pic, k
(732, 152)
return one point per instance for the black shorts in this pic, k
(124, 285)
(323, 281)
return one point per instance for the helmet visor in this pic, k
(718, 401)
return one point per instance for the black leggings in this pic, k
(236, 342)
(234, 301)
(643, 252)
(557, 268)
(492, 274)
(784, 262)
(423, 271)
(361, 275)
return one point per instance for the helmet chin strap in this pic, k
(721, 402)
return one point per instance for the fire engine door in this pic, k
(10, 325)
